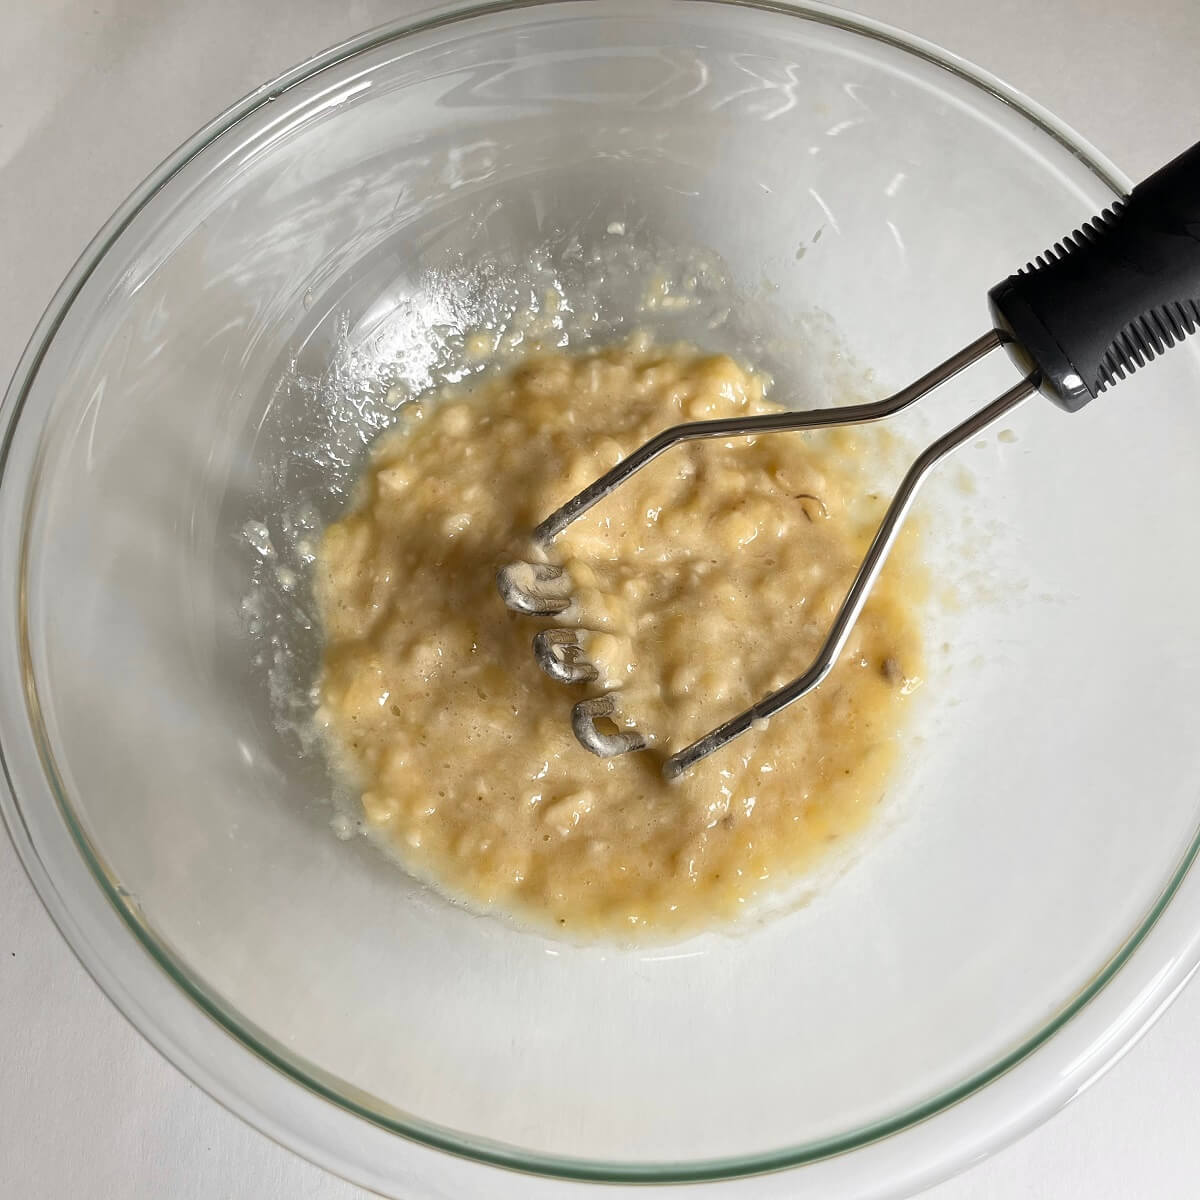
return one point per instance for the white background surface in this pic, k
(93, 94)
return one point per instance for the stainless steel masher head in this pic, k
(1104, 301)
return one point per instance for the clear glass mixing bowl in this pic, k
(320, 246)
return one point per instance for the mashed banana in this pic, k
(704, 582)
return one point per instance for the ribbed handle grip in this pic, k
(1109, 297)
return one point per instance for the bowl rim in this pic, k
(101, 938)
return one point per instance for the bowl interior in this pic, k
(205, 404)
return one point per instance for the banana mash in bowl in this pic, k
(706, 581)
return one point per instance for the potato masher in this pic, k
(1104, 301)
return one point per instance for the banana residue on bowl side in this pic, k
(706, 581)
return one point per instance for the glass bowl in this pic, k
(204, 382)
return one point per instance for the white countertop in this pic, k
(93, 94)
